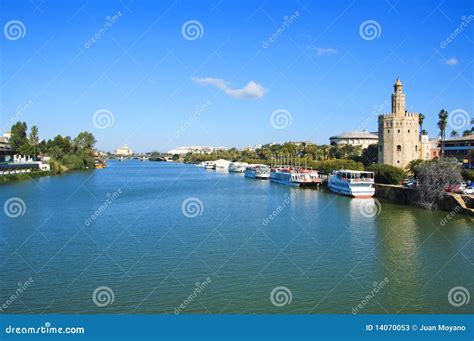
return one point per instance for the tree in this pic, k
(34, 139)
(454, 133)
(369, 155)
(421, 118)
(18, 137)
(442, 123)
(433, 178)
(412, 167)
(467, 133)
(85, 140)
(387, 174)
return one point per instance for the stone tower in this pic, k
(399, 136)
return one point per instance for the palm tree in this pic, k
(421, 118)
(34, 139)
(467, 133)
(454, 133)
(442, 123)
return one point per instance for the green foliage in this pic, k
(468, 174)
(386, 174)
(22, 176)
(369, 155)
(327, 166)
(18, 139)
(411, 168)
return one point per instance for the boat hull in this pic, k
(351, 192)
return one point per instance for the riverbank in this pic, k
(407, 196)
(8, 178)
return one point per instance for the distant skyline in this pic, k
(159, 75)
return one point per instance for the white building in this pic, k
(124, 151)
(195, 149)
(354, 138)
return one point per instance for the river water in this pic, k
(145, 237)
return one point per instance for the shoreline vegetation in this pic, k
(65, 153)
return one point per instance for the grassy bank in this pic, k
(4, 179)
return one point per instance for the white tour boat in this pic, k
(352, 183)
(295, 176)
(210, 165)
(238, 167)
(257, 172)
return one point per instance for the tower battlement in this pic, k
(399, 136)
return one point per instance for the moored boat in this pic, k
(257, 172)
(352, 183)
(210, 165)
(295, 176)
(237, 167)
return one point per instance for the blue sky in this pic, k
(164, 89)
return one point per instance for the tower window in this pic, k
(416, 148)
(408, 130)
(399, 130)
(399, 148)
(388, 131)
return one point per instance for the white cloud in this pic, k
(451, 61)
(251, 90)
(325, 51)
